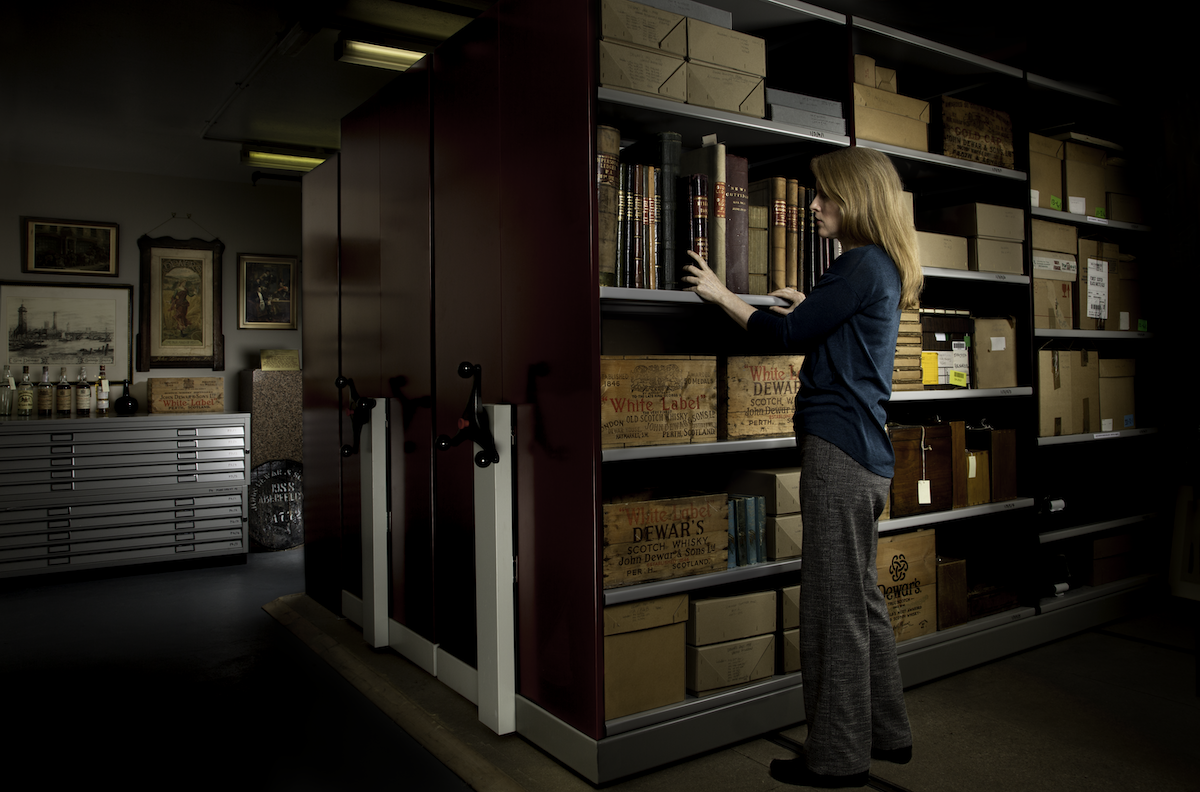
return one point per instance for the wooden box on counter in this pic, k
(185, 395)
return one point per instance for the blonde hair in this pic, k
(864, 184)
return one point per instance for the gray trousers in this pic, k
(853, 696)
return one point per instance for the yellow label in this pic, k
(958, 378)
(929, 368)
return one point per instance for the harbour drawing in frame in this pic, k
(68, 247)
(68, 324)
(179, 300)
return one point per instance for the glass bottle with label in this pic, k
(102, 393)
(45, 395)
(63, 395)
(7, 391)
(25, 398)
(83, 394)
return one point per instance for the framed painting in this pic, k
(68, 247)
(267, 292)
(179, 304)
(68, 324)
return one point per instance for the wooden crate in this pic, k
(906, 567)
(757, 395)
(657, 400)
(185, 394)
(915, 463)
(663, 539)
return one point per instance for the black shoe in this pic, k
(893, 755)
(795, 771)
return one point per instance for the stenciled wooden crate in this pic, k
(185, 394)
(664, 539)
(657, 400)
(756, 395)
(906, 568)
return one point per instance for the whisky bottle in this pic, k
(83, 394)
(63, 393)
(102, 393)
(25, 398)
(45, 395)
(6, 392)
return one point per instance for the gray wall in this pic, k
(263, 219)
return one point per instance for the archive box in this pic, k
(779, 486)
(1085, 391)
(185, 394)
(995, 358)
(644, 71)
(657, 400)
(1097, 289)
(651, 28)
(1045, 172)
(922, 481)
(789, 608)
(789, 653)
(1053, 303)
(976, 133)
(1116, 395)
(719, 619)
(906, 568)
(644, 655)
(725, 89)
(663, 539)
(718, 666)
(1001, 447)
(942, 251)
(729, 49)
(785, 536)
(756, 395)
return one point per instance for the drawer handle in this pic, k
(181, 513)
(185, 433)
(186, 444)
(61, 449)
(184, 537)
(185, 467)
(185, 501)
(58, 537)
(192, 479)
(67, 485)
(61, 438)
(59, 524)
(59, 549)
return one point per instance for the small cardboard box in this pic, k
(806, 119)
(644, 71)
(1001, 445)
(718, 666)
(644, 655)
(885, 79)
(1057, 237)
(664, 539)
(729, 49)
(789, 654)
(979, 481)
(1051, 265)
(756, 395)
(981, 220)
(725, 89)
(995, 358)
(1127, 302)
(651, 28)
(866, 96)
(906, 569)
(789, 608)
(864, 70)
(1116, 395)
(890, 128)
(721, 619)
(785, 536)
(1056, 405)
(1083, 178)
(185, 395)
(1085, 391)
(942, 250)
(1046, 172)
(985, 254)
(780, 487)
(797, 101)
(1053, 304)
(657, 400)
(923, 454)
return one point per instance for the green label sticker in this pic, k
(1056, 202)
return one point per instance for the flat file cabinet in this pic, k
(81, 493)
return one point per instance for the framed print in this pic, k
(267, 293)
(68, 247)
(68, 324)
(179, 304)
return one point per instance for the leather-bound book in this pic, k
(710, 160)
(772, 193)
(663, 152)
(737, 224)
(792, 240)
(608, 195)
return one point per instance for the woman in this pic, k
(846, 328)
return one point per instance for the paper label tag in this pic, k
(958, 378)
(1034, 195)
(971, 467)
(1077, 204)
(1097, 289)
(1124, 321)
(1106, 425)
(924, 495)
(999, 343)
(1056, 202)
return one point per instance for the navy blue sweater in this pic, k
(846, 328)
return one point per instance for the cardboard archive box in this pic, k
(643, 71)
(718, 666)
(644, 655)
(942, 251)
(789, 608)
(995, 358)
(923, 481)
(789, 651)
(779, 486)
(945, 349)
(788, 624)
(1056, 405)
(887, 117)
(1127, 299)
(657, 400)
(1057, 237)
(1046, 172)
(1117, 395)
(642, 25)
(1096, 292)
(975, 133)
(1083, 179)
(1085, 391)
(714, 45)
(995, 255)
(785, 536)
(185, 395)
(906, 569)
(664, 539)
(980, 220)
(756, 395)
(721, 619)
(1053, 304)
(725, 89)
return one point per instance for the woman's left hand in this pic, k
(790, 295)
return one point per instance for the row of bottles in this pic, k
(25, 399)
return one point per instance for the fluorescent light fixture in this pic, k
(377, 55)
(279, 159)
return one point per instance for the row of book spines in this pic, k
(747, 530)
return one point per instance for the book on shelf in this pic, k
(737, 224)
(662, 153)
(710, 161)
(771, 193)
(758, 255)
(747, 530)
(608, 150)
(792, 237)
(694, 222)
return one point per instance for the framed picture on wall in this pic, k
(67, 324)
(68, 247)
(268, 297)
(179, 304)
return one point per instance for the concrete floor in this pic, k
(181, 677)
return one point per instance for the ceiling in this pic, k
(176, 87)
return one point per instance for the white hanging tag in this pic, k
(924, 496)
